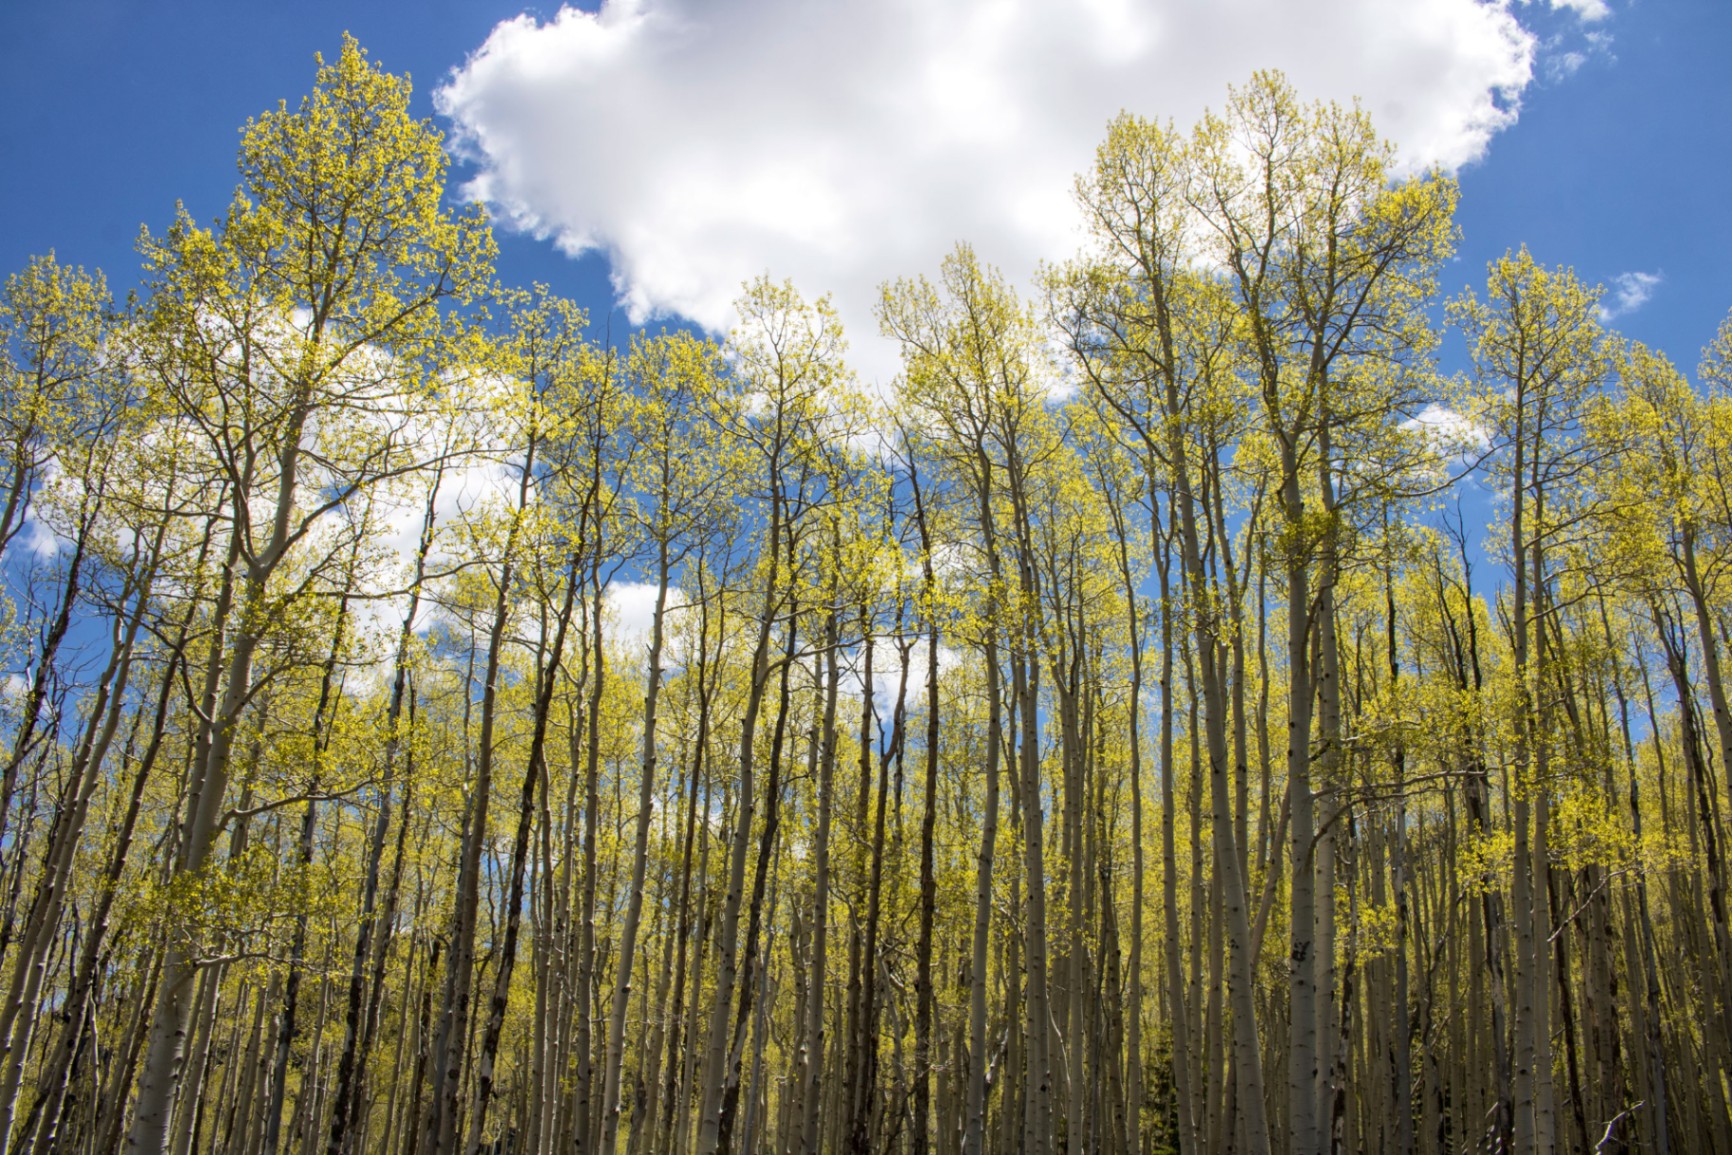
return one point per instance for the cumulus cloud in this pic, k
(1629, 292)
(700, 143)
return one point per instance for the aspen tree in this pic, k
(1153, 341)
(1328, 262)
(683, 476)
(58, 403)
(970, 370)
(297, 328)
(789, 358)
(1540, 354)
(53, 325)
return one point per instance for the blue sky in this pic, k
(842, 145)
(115, 109)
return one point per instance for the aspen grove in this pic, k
(1173, 715)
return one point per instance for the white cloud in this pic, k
(701, 143)
(1450, 431)
(39, 538)
(1587, 10)
(1630, 291)
(1576, 42)
(1565, 64)
(631, 608)
(887, 674)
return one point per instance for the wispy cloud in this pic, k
(1587, 10)
(1564, 64)
(1629, 292)
(1563, 55)
(1569, 35)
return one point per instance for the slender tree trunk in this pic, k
(547, 678)
(448, 1055)
(812, 1028)
(921, 1139)
(727, 962)
(610, 1102)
